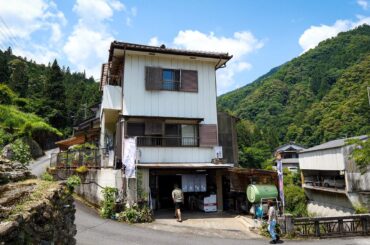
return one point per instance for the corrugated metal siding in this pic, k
(139, 101)
(176, 154)
(330, 159)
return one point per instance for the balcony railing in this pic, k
(91, 158)
(167, 141)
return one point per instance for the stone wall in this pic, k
(44, 213)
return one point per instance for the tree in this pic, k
(18, 78)
(55, 95)
(361, 153)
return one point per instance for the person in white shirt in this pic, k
(272, 217)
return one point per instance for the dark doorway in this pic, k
(165, 187)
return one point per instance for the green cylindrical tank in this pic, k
(256, 192)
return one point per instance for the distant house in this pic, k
(289, 155)
(331, 180)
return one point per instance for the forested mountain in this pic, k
(318, 96)
(47, 99)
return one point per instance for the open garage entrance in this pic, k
(199, 186)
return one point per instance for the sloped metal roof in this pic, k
(333, 144)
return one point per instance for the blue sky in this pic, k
(260, 34)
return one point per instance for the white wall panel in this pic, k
(176, 154)
(139, 101)
(330, 159)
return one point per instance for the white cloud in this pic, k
(154, 41)
(363, 3)
(239, 45)
(87, 46)
(38, 53)
(25, 17)
(315, 34)
(87, 49)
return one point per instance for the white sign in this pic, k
(129, 157)
(218, 152)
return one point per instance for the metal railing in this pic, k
(169, 141)
(91, 158)
(333, 226)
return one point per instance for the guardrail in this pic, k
(340, 226)
(91, 158)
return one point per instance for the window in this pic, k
(189, 134)
(135, 129)
(171, 79)
(157, 78)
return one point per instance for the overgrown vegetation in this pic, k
(109, 202)
(360, 209)
(295, 198)
(361, 153)
(316, 97)
(21, 152)
(47, 177)
(53, 93)
(72, 182)
(136, 214)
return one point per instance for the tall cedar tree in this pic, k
(55, 95)
(19, 79)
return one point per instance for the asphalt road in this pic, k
(91, 229)
(39, 165)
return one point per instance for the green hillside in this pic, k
(40, 101)
(318, 96)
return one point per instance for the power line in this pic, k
(6, 38)
(10, 31)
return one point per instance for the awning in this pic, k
(75, 140)
(185, 165)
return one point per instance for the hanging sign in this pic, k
(129, 157)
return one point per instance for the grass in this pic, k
(41, 191)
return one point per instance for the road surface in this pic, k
(39, 165)
(92, 230)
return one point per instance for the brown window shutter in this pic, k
(189, 81)
(154, 127)
(153, 78)
(208, 135)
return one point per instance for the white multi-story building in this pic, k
(166, 98)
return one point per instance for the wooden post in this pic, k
(220, 203)
(317, 228)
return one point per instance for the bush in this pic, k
(295, 201)
(72, 182)
(5, 138)
(360, 209)
(136, 215)
(109, 203)
(6, 95)
(47, 177)
(21, 152)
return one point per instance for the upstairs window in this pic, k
(171, 79)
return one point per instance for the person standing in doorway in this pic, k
(178, 199)
(272, 222)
